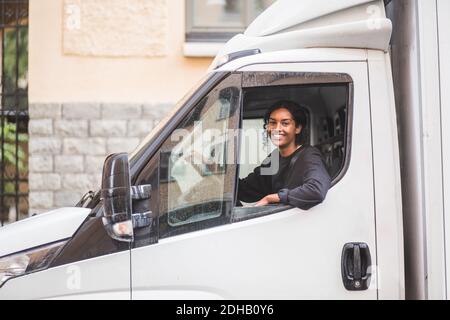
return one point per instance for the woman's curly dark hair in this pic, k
(299, 114)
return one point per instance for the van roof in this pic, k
(287, 14)
(297, 24)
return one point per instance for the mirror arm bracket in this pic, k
(142, 220)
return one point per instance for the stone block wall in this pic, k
(69, 143)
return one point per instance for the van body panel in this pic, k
(443, 11)
(297, 55)
(405, 70)
(41, 229)
(105, 277)
(387, 180)
(417, 81)
(432, 148)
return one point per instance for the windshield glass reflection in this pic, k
(167, 118)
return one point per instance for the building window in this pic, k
(220, 20)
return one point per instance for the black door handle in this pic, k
(356, 266)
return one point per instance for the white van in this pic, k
(167, 226)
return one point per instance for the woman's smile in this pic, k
(277, 136)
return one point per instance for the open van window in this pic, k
(326, 106)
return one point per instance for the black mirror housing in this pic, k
(116, 197)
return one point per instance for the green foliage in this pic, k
(12, 153)
(14, 97)
(15, 49)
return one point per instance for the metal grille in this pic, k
(14, 110)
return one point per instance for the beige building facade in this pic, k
(102, 73)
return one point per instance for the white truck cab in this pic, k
(167, 223)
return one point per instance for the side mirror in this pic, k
(116, 197)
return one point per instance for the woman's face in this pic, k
(281, 128)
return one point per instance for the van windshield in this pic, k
(167, 118)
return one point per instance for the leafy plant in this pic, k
(16, 56)
(12, 154)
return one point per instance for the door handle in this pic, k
(356, 265)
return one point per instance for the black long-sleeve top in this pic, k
(303, 184)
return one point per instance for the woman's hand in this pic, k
(272, 198)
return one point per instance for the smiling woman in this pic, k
(300, 147)
(286, 120)
(299, 177)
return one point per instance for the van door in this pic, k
(209, 248)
